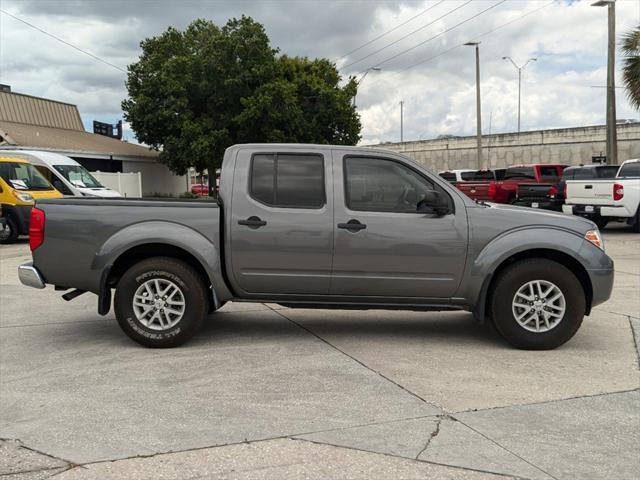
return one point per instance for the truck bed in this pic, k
(77, 229)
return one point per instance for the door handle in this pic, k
(352, 225)
(588, 187)
(252, 222)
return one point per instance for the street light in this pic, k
(533, 59)
(478, 113)
(612, 141)
(358, 82)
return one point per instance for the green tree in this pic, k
(631, 65)
(193, 93)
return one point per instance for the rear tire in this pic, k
(550, 324)
(601, 222)
(10, 233)
(160, 302)
(636, 224)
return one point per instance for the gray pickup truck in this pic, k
(318, 226)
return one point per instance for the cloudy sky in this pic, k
(416, 43)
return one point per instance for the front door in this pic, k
(282, 222)
(383, 245)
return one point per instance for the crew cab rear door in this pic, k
(383, 246)
(281, 225)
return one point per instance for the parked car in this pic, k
(605, 200)
(64, 173)
(20, 185)
(200, 189)
(454, 176)
(504, 191)
(552, 197)
(319, 226)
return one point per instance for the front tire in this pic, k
(10, 232)
(537, 304)
(160, 302)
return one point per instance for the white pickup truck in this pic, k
(605, 200)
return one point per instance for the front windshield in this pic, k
(23, 176)
(78, 176)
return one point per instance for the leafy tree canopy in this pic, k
(631, 64)
(193, 93)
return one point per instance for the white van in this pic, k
(64, 173)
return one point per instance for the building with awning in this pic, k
(34, 123)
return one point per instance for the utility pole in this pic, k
(401, 121)
(478, 111)
(519, 81)
(612, 140)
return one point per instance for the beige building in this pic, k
(571, 146)
(34, 123)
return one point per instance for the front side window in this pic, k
(548, 173)
(520, 173)
(379, 185)
(23, 176)
(288, 180)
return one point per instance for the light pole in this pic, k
(364, 75)
(533, 59)
(612, 140)
(401, 121)
(478, 111)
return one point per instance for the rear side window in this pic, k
(448, 176)
(288, 180)
(630, 170)
(520, 173)
(478, 175)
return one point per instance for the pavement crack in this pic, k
(635, 335)
(380, 374)
(433, 435)
(505, 448)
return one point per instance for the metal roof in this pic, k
(19, 108)
(70, 142)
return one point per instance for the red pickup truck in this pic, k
(504, 191)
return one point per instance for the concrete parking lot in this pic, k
(269, 392)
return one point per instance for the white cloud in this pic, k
(568, 38)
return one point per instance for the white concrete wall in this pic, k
(156, 178)
(567, 145)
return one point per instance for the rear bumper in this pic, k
(591, 211)
(30, 276)
(544, 204)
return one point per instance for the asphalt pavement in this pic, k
(270, 392)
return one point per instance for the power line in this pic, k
(389, 31)
(477, 36)
(63, 41)
(407, 35)
(393, 57)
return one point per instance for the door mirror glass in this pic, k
(434, 202)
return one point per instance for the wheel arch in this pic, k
(483, 306)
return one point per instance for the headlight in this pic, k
(593, 236)
(23, 197)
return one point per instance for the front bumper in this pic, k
(30, 276)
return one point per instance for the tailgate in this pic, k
(533, 191)
(590, 192)
(475, 190)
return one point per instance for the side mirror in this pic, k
(434, 202)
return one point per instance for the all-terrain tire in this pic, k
(160, 333)
(517, 275)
